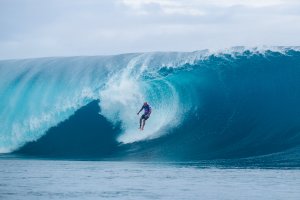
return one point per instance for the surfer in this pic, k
(145, 116)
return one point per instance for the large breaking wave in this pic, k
(228, 104)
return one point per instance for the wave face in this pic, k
(228, 104)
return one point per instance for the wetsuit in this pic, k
(147, 112)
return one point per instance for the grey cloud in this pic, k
(33, 28)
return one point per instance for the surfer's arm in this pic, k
(140, 110)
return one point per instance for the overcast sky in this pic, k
(37, 28)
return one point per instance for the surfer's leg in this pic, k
(144, 120)
(141, 121)
(143, 124)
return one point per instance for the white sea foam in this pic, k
(124, 94)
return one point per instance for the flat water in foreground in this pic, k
(51, 179)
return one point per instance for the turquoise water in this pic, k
(224, 125)
(51, 179)
(230, 104)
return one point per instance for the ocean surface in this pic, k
(224, 125)
(54, 179)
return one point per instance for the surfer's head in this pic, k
(145, 103)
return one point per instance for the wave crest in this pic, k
(238, 100)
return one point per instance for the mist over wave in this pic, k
(229, 104)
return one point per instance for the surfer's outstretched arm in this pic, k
(140, 110)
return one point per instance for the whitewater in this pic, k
(234, 103)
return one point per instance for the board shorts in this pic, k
(145, 116)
